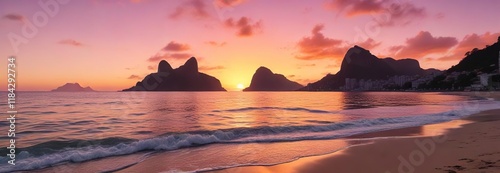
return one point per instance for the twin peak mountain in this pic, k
(358, 63)
(185, 78)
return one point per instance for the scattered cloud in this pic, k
(290, 76)
(134, 77)
(14, 17)
(369, 44)
(209, 68)
(245, 26)
(440, 15)
(71, 42)
(150, 67)
(191, 8)
(176, 47)
(385, 12)
(300, 66)
(318, 46)
(228, 3)
(216, 44)
(357, 7)
(423, 44)
(470, 42)
(169, 56)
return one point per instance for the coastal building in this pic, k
(484, 79)
(351, 84)
(418, 82)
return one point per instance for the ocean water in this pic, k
(126, 128)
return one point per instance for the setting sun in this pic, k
(240, 86)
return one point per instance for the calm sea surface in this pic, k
(57, 128)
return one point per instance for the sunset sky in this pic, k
(110, 44)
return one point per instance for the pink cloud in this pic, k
(386, 12)
(134, 77)
(176, 47)
(318, 46)
(244, 26)
(71, 42)
(422, 45)
(369, 44)
(150, 67)
(216, 44)
(228, 3)
(191, 8)
(15, 17)
(358, 7)
(169, 56)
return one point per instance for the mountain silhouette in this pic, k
(484, 60)
(185, 78)
(72, 87)
(265, 80)
(359, 63)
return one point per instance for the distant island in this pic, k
(72, 87)
(185, 78)
(265, 80)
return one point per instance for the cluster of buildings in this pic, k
(353, 84)
(485, 80)
(371, 84)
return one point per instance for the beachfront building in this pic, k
(484, 79)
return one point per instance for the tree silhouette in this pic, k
(474, 50)
(467, 53)
(498, 39)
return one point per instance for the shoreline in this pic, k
(454, 149)
(483, 94)
(458, 149)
